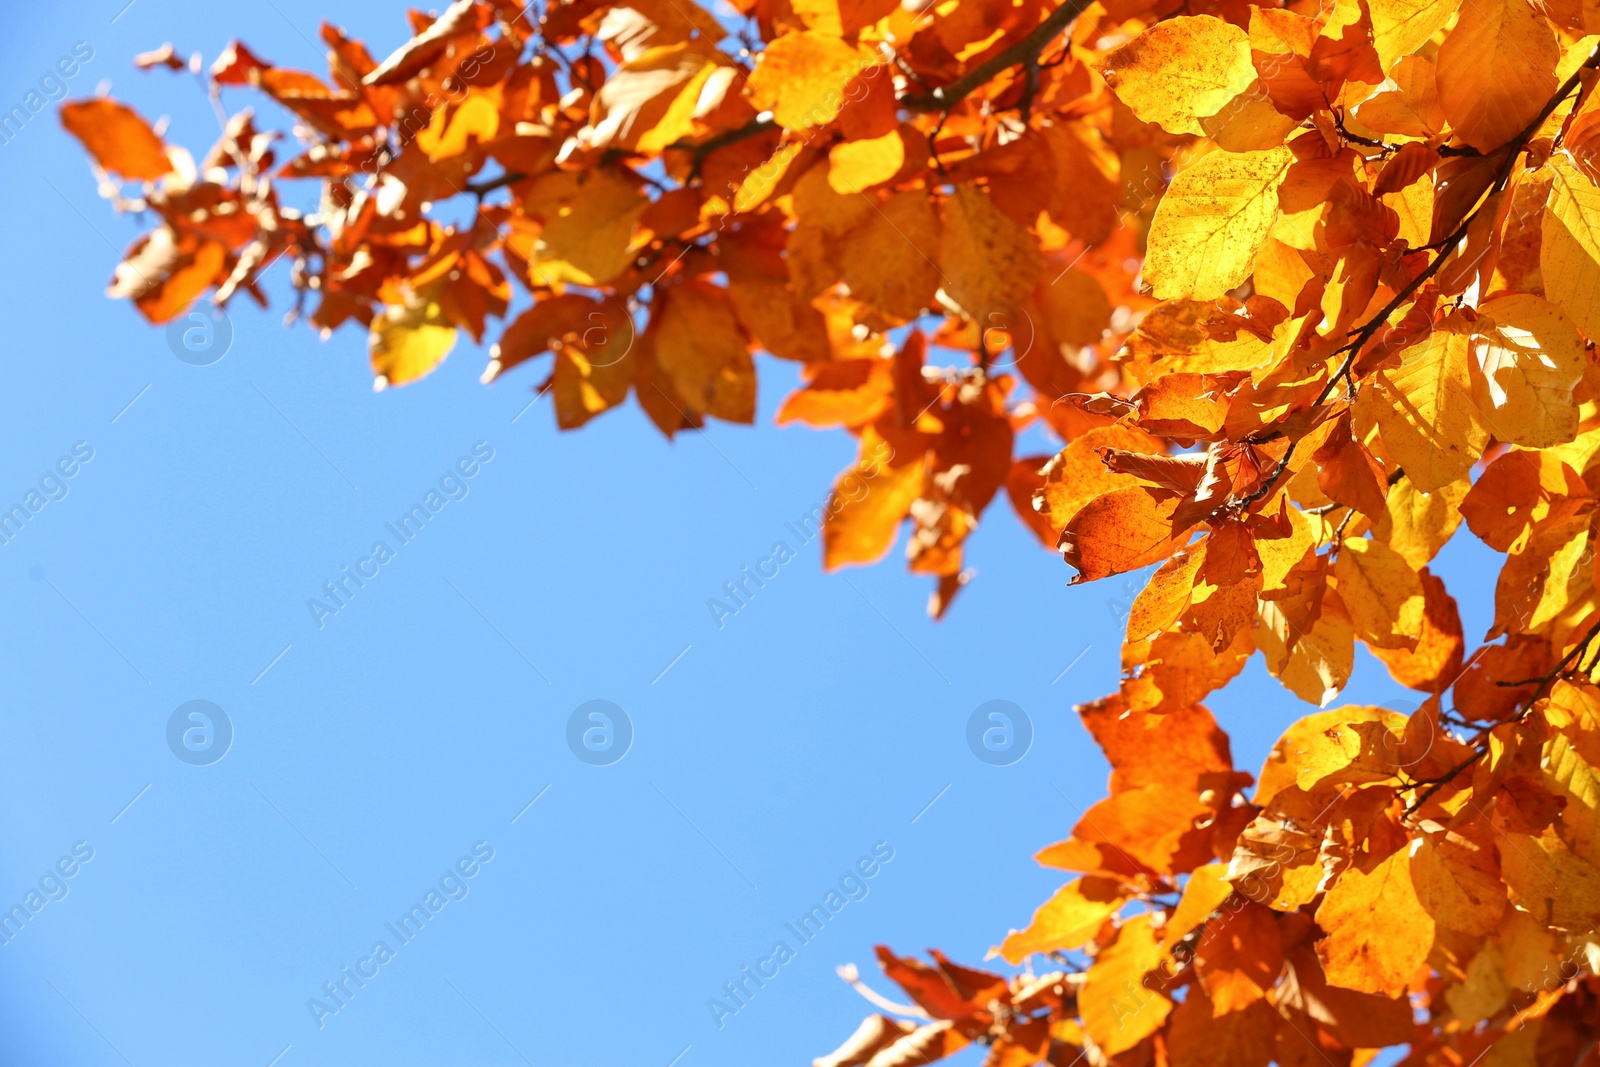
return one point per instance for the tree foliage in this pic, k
(1303, 289)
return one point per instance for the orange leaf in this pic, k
(118, 138)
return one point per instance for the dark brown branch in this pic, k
(1024, 51)
(701, 149)
(489, 185)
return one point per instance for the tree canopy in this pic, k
(1301, 290)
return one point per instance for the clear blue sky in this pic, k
(424, 717)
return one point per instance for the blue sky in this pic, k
(371, 756)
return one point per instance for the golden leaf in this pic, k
(1378, 931)
(1381, 592)
(1119, 1007)
(699, 347)
(1532, 358)
(1431, 427)
(801, 77)
(1569, 250)
(1213, 219)
(1181, 70)
(1400, 27)
(1496, 70)
(408, 341)
(1068, 919)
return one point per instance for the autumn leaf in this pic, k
(868, 502)
(988, 264)
(801, 77)
(1531, 359)
(1400, 27)
(1120, 1005)
(1181, 70)
(118, 138)
(1381, 592)
(1569, 252)
(1068, 919)
(1497, 67)
(891, 262)
(854, 166)
(409, 340)
(1212, 221)
(1424, 407)
(1378, 933)
(700, 349)
(1122, 531)
(165, 271)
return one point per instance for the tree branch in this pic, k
(1024, 51)
(489, 185)
(702, 149)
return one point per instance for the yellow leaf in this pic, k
(1430, 425)
(1400, 27)
(1530, 950)
(1549, 882)
(1532, 358)
(868, 502)
(1574, 778)
(1279, 555)
(409, 340)
(454, 130)
(1249, 122)
(764, 180)
(1381, 592)
(1483, 991)
(988, 263)
(1534, 583)
(1569, 250)
(857, 165)
(1119, 1008)
(1314, 666)
(594, 376)
(1411, 108)
(1074, 308)
(649, 102)
(1417, 524)
(1378, 931)
(842, 17)
(1181, 70)
(1328, 748)
(1213, 219)
(1458, 880)
(588, 225)
(889, 260)
(1496, 70)
(818, 204)
(1206, 891)
(801, 77)
(1192, 337)
(699, 347)
(1066, 921)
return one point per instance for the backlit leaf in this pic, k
(1211, 222)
